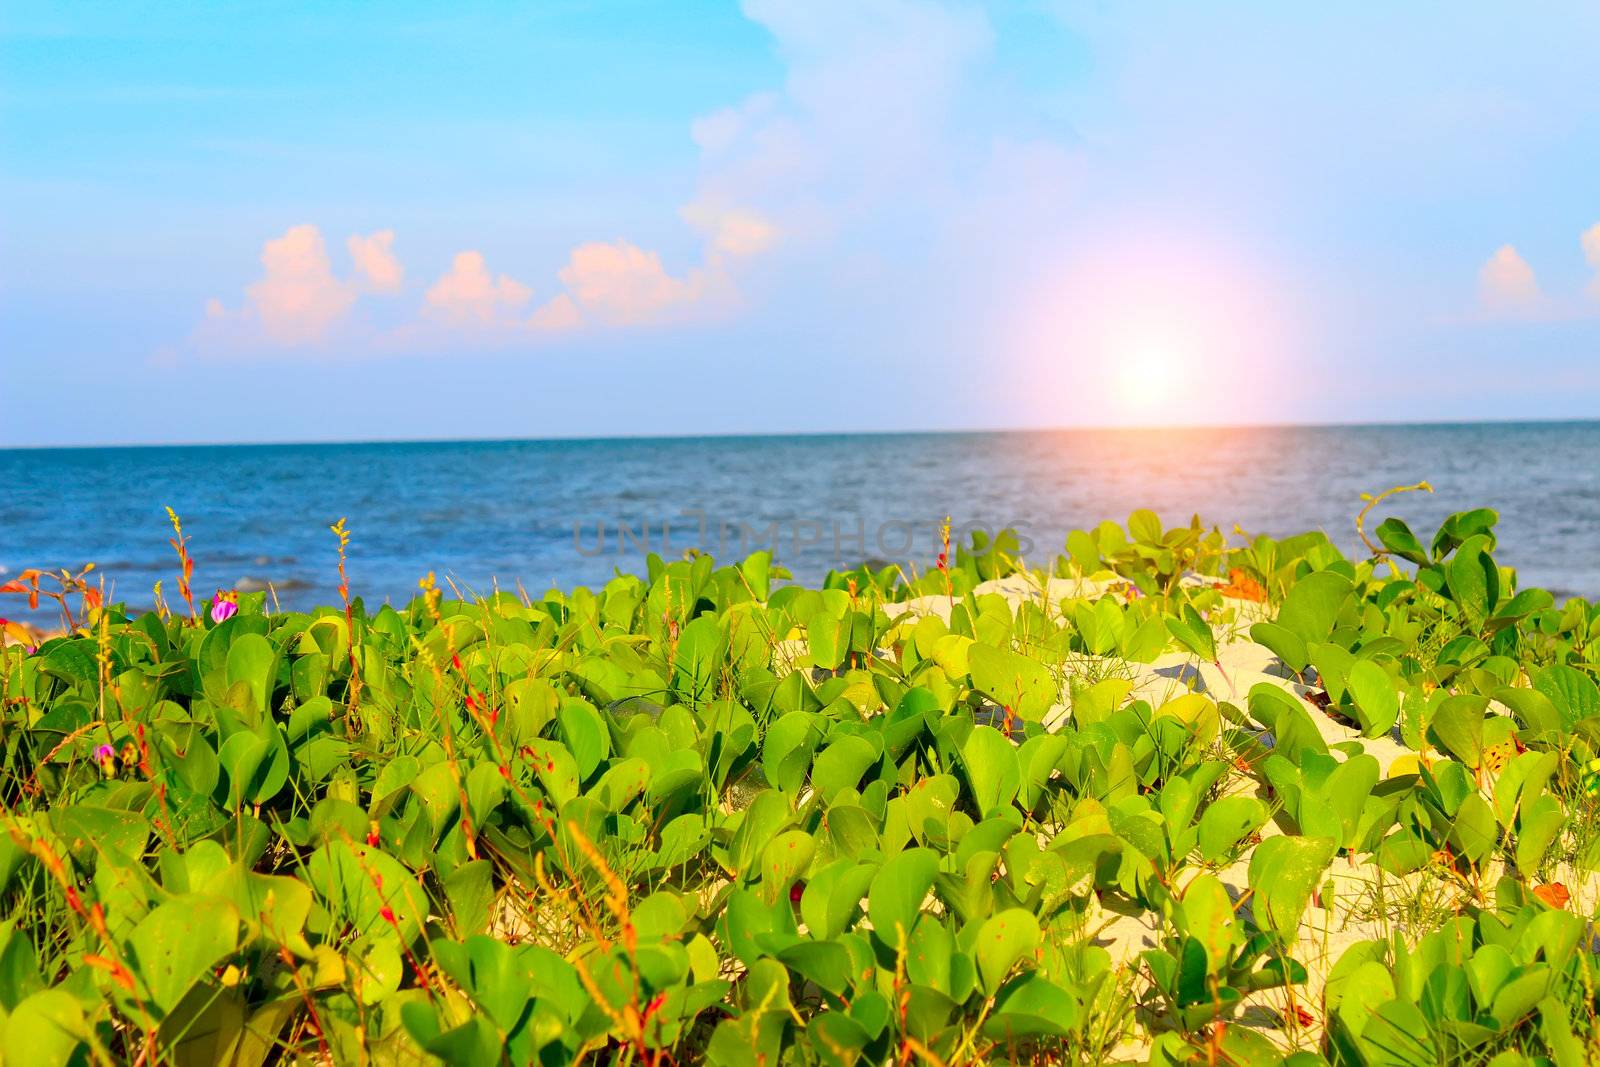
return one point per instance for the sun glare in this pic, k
(1149, 376)
(1155, 332)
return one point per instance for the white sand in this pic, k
(1351, 889)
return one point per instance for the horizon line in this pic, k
(758, 435)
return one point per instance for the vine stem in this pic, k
(1374, 501)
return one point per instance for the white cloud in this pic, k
(556, 315)
(1591, 252)
(375, 261)
(731, 232)
(619, 284)
(300, 303)
(467, 295)
(863, 117)
(719, 131)
(1507, 286)
(298, 299)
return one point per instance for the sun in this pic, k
(1154, 328)
(1149, 376)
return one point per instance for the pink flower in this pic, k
(223, 608)
(106, 756)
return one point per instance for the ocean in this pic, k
(536, 514)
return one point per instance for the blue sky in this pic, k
(298, 222)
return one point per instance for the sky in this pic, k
(288, 222)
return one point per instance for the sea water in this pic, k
(536, 514)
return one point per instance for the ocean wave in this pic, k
(251, 584)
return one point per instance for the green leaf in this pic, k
(439, 790)
(178, 943)
(786, 752)
(1144, 526)
(1376, 702)
(19, 966)
(898, 891)
(1294, 734)
(242, 756)
(47, 1029)
(1456, 529)
(1194, 634)
(490, 972)
(1397, 537)
(90, 830)
(1011, 679)
(757, 569)
(1457, 726)
(832, 895)
(253, 660)
(1523, 604)
(950, 653)
(1313, 604)
(841, 765)
(1003, 940)
(1033, 1006)
(824, 962)
(1537, 828)
(1196, 711)
(699, 657)
(1575, 695)
(1474, 831)
(1474, 579)
(69, 661)
(1283, 872)
(469, 890)
(530, 704)
(257, 762)
(585, 734)
(1209, 918)
(786, 858)
(473, 1042)
(1533, 709)
(1227, 822)
(556, 770)
(1400, 1034)
(680, 772)
(624, 780)
(1283, 643)
(356, 883)
(992, 768)
(1333, 663)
